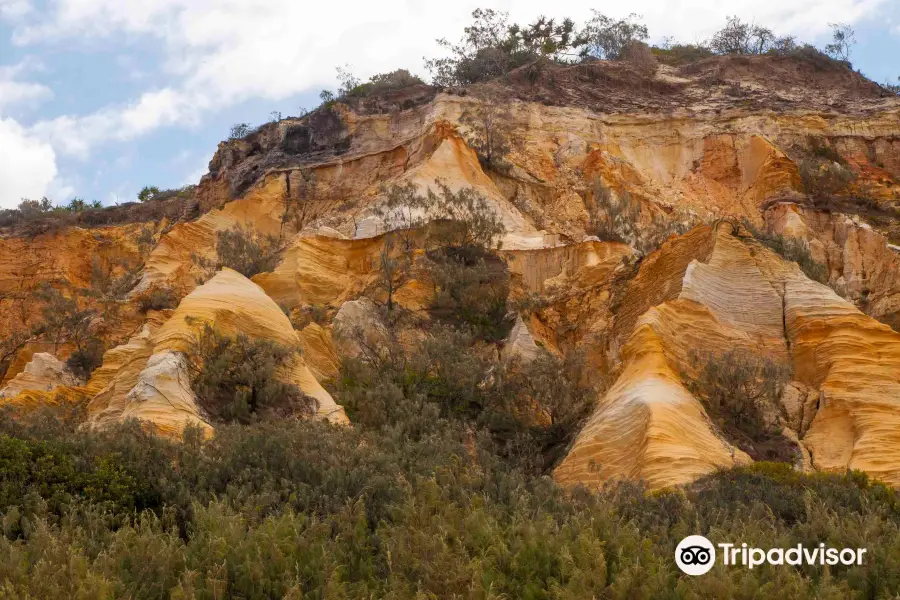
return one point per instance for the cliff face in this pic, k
(697, 150)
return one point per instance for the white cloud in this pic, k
(17, 92)
(13, 91)
(221, 52)
(14, 9)
(28, 171)
(76, 136)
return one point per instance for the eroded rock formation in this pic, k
(697, 149)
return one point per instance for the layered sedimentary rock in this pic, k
(648, 425)
(43, 373)
(860, 261)
(722, 139)
(160, 392)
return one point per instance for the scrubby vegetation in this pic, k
(66, 320)
(492, 46)
(740, 392)
(243, 249)
(792, 249)
(157, 298)
(240, 379)
(410, 502)
(151, 193)
(616, 216)
(37, 217)
(488, 127)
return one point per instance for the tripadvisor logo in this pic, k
(696, 555)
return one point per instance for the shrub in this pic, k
(843, 39)
(491, 47)
(639, 55)
(737, 389)
(86, 357)
(157, 298)
(617, 218)
(471, 221)
(245, 250)
(63, 319)
(823, 179)
(489, 133)
(106, 285)
(738, 37)
(792, 249)
(239, 131)
(238, 378)
(537, 407)
(351, 87)
(820, 148)
(147, 193)
(681, 54)
(471, 287)
(606, 38)
(395, 80)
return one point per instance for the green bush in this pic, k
(823, 179)
(471, 288)
(738, 389)
(239, 379)
(243, 249)
(157, 298)
(86, 358)
(414, 506)
(792, 249)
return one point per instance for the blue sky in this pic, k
(101, 97)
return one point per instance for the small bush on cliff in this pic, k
(157, 298)
(471, 284)
(792, 249)
(617, 217)
(111, 280)
(240, 379)
(239, 131)
(823, 179)
(738, 37)
(737, 389)
(639, 55)
(489, 133)
(492, 47)
(470, 221)
(471, 287)
(243, 249)
(86, 358)
(64, 319)
(607, 38)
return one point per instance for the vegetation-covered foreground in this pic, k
(418, 506)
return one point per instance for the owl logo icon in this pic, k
(695, 555)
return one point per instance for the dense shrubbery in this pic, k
(741, 393)
(240, 379)
(416, 505)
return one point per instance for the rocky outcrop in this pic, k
(520, 344)
(716, 142)
(160, 392)
(861, 263)
(842, 407)
(43, 373)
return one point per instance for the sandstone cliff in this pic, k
(698, 150)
